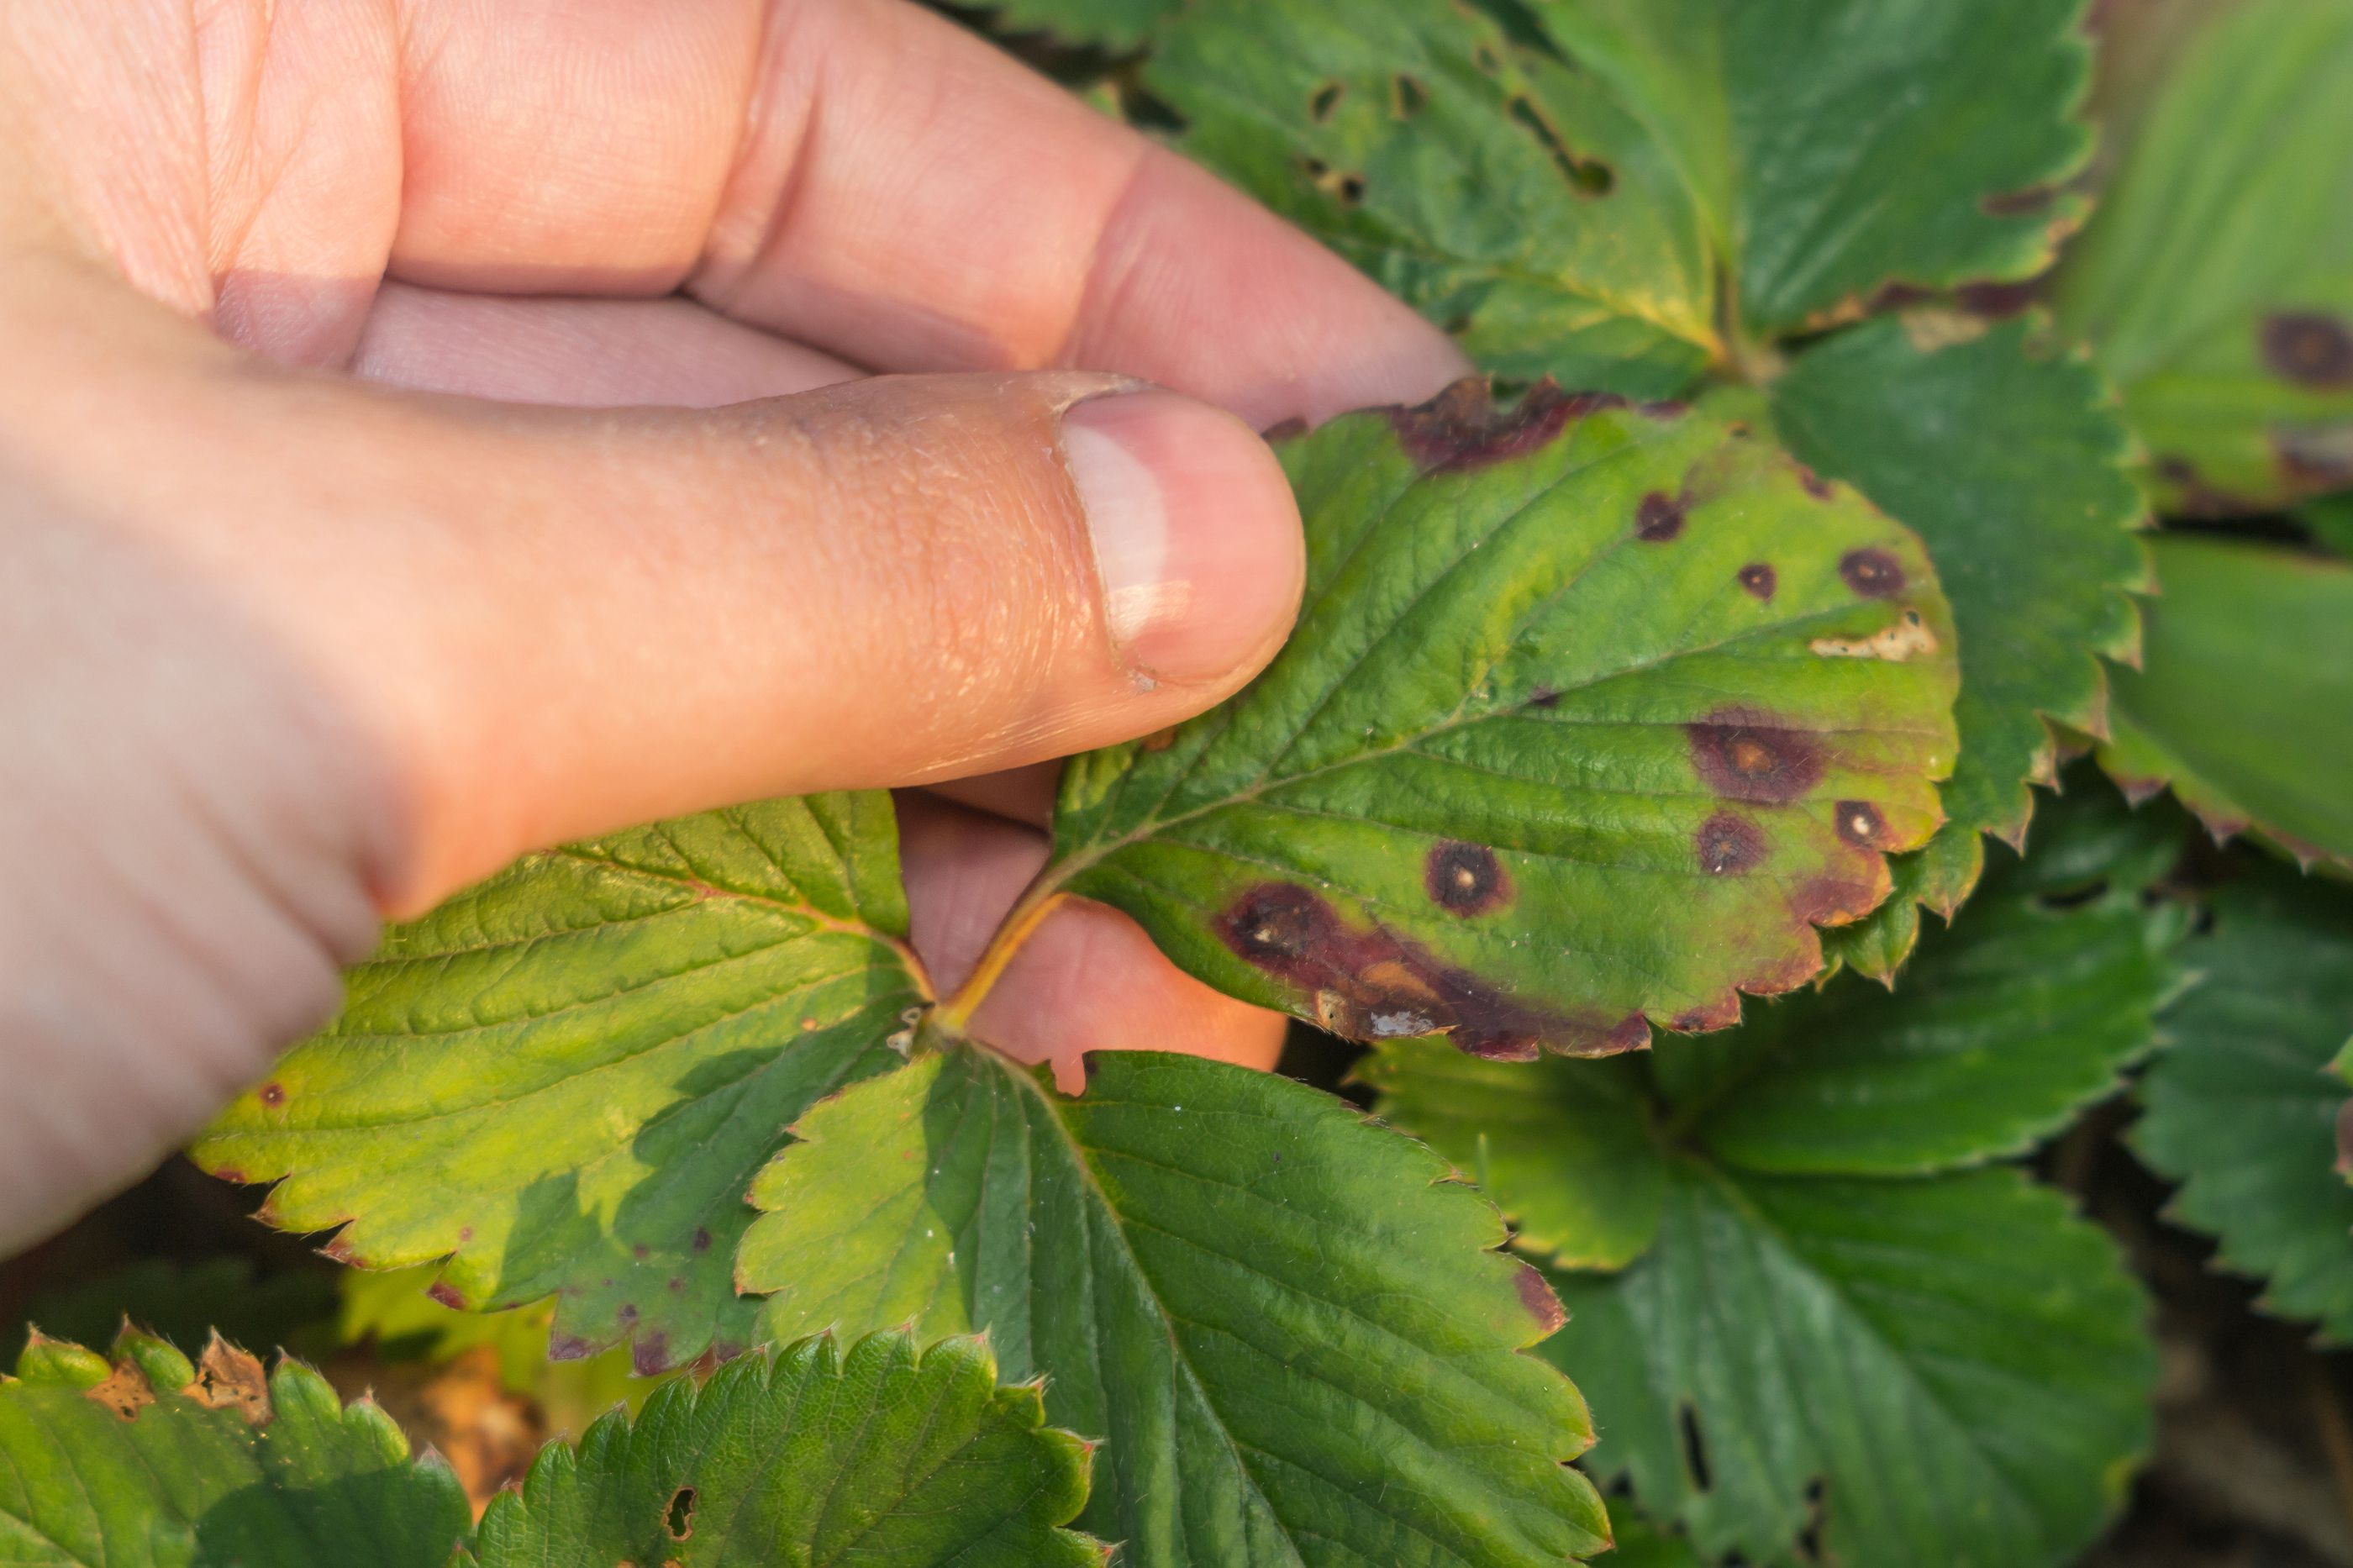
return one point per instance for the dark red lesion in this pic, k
(1465, 877)
(1744, 756)
(1814, 484)
(1760, 579)
(448, 1295)
(1871, 573)
(1537, 1297)
(1861, 823)
(1660, 517)
(1729, 844)
(272, 1095)
(1370, 984)
(2309, 348)
(1464, 428)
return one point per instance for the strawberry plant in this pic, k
(1644, 694)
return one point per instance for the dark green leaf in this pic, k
(1593, 714)
(2009, 465)
(2217, 283)
(1956, 1363)
(2245, 1105)
(2243, 703)
(1291, 1326)
(2330, 519)
(888, 1456)
(568, 1076)
(1107, 24)
(182, 1304)
(152, 1462)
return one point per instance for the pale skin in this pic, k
(434, 429)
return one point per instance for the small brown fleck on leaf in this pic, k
(1871, 573)
(1537, 1296)
(2309, 348)
(1814, 484)
(650, 1357)
(1760, 579)
(1861, 823)
(272, 1095)
(1721, 1013)
(230, 1379)
(1465, 877)
(125, 1391)
(1463, 429)
(568, 1347)
(701, 1240)
(1659, 518)
(1544, 697)
(1742, 758)
(447, 1294)
(626, 1314)
(1729, 844)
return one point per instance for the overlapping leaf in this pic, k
(1570, 201)
(153, 1461)
(887, 1455)
(2009, 464)
(1594, 713)
(2243, 1108)
(2217, 282)
(568, 1077)
(2243, 703)
(1289, 1325)
(1812, 1285)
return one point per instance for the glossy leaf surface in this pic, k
(2243, 703)
(568, 1077)
(2245, 1105)
(1594, 713)
(884, 1455)
(1290, 1324)
(2217, 281)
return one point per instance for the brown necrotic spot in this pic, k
(1659, 518)
(447, 1294)
(1871, 573)
(1370, 984)
(568, 1347)
(1544, 697)
(701, 1240)
(1760, 579)
(650, 1357)
(1537, 1297)
(1861, 823)
(1729, 844)
(1463, 429)
(1744, 759)
(272, 1095)
(2309, 348)
(1465, 877)
(1815, 485)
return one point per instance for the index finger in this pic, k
(869, 179)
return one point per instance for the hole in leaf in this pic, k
(1349, 189)
(679, 1520)
(1586, 176)
(1407, 97)
(1327, 99)
(1694, 1448)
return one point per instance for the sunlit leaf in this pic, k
(566, 1077)
(1594, 713)
(2246, 1104)
(1289, 1325)
(2243, 703)
(2217, 282)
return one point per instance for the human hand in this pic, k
(287, 652)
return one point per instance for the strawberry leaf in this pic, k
(885, 1455)
(2217, 283)
(2243, 702)
(148, 1460)
(1289, 1323)
(563, 1079)
(2246, 1105)
(2011, 467)
(1102, 23)
(1594, 713)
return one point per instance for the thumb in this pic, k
(570, 622)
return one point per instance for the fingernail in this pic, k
(1195, 533)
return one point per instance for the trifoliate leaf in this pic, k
(2243, 702)
(2028, 1008)
(568, 1076)
(2217, 284)
(149, 1460)
(1569, 203)
(1593, 714)
(2009, 465)
(887, 1455)
(1502, 191)
(1951, 1371)
(2244, 1106)
(1289, 1323)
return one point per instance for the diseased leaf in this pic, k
(1594, 713)
(1567, 204)
(1505, 193)
(1289, 1325)
(148, 1460)
(2245, 1105)
(2217, 283)
(2243, 702)
(566, 1077)
(886, 1454)
(2009, 464)
(1948, 1371)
